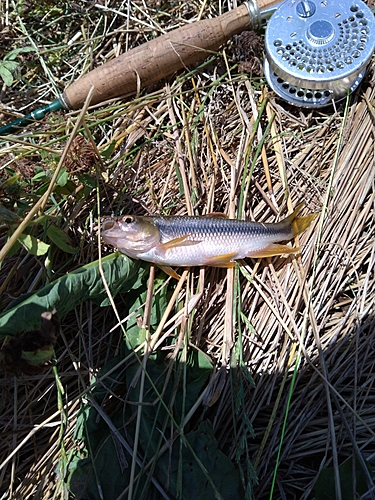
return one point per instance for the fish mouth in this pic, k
(110, 225)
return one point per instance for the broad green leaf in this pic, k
(9, 65)
(109, 465)
(198, 369)
(325, 485)
(40, 176)
(39, 356)
(62, 178)
(15, 52)
(135, 335)
(10, 180)
(16, 246)
(87, 180)
(70, 290)
(7, 216)
(33, 245)
(107, 152)
(207, 473)
(225, 482)
(6, 75)
(60, 238)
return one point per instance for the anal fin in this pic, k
(272, 250)
(224, 260)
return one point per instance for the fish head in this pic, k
(132, 235)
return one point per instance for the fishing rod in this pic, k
(316, 53)
(148, 63)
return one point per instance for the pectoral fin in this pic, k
(224, 260)
(170, 272)
(272, 250)
(176, 242)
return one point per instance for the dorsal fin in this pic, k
(217, 214)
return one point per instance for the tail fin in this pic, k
(299, 224)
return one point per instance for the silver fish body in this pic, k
(210, 238)
(206, 240)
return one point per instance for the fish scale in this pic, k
(217, 228)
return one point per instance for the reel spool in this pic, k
(317, 50)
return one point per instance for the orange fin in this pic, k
(299, 224)
(224, 260)
(170, 272)
(217, 214)
(176, 242)
(274, 249)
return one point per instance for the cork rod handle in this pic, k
(159, 58)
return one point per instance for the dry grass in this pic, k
(303, 327)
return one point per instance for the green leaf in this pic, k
(15, 52)
(325, 485)
(9, 65)
(109, 464)
(39, 356)
(224, 477)
(60, 238)
(69, 291)
(62, 178)
(10, 181)
(135, 335)
(15, 247)
(40, 176)
(33, 245)
(6, 75)
(7, 216)
(103, 468)
(107, 152)
(87, 180)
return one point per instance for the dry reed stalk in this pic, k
(183, 149)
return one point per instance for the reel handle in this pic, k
(162, 56)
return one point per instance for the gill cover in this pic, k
(130, 234)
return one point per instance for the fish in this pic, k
(208, 240)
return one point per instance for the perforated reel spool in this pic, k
(317, 51)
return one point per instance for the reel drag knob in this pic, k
(320, 32)
(317, 51)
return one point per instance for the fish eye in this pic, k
(128, 219)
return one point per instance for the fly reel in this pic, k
(317, 50)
